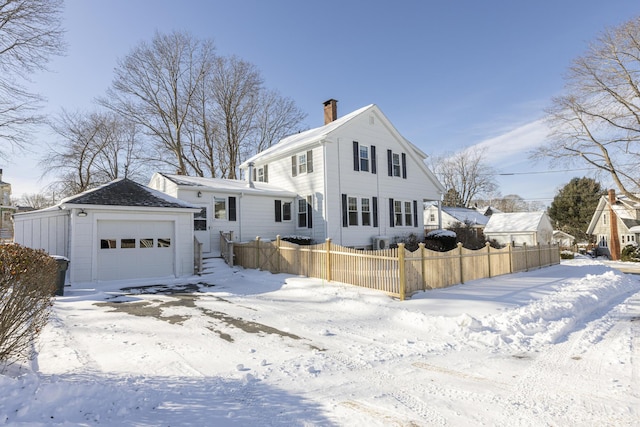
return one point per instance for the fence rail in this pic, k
(397, 272)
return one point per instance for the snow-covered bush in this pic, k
(567, 255)
(27, 284)
(631, 252)
(441, 240)
(298, 240)
(410, 241)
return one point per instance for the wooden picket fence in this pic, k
(397, 272)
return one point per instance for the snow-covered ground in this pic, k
(555, 346)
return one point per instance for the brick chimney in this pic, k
(330, 111)
(614, 244)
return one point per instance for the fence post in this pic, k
(422, 269)
(327, 263)
(403, 279)
(278, 253)
(488, 246)
(526, 257)
(258, 253)
(539, 256)
(510, 259)
(461, 262)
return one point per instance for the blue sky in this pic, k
(448, 74)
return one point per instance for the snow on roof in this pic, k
(513, 222)
(125, 192)
(465, 215)
(300, 139)
(229, 185)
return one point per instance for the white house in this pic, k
(562, 239)
(519, 228)
(452, 216)
(625, 212)
(122, 230)
(6, 210)
(356, 179)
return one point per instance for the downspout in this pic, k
(440, 212)
(323, 144)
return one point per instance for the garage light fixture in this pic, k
(199, 193)
(82, 213)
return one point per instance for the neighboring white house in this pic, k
(562, 239)
(519, 228)
(357, 180)
(122, 230)
(627, 213)
(6, 210)
(453, 216)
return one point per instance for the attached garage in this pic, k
(120, 231)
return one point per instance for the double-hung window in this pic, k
(396, 164)
(220, 208)
(403, 213)
(408, 216)
(305, 213)
(200, 220)
(224, 209)
(301, 163)
(364, 158)
(353, 210)
(397, 213)
(366, 211)
(283, 211)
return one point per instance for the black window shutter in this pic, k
(294, 166)
(254, 174)
(232, 208)
(345, 219)
(375, 211)
(278, 210)
(404, 166)
(309, 161)
(356, 156)
(266, 173)
(390, 162)
(415, 213)
(309, 212)
(374, 166)
(392, 217)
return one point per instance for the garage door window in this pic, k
(164, 243)
(107, 243)
(127, 243)
(146, 243)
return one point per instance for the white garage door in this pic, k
(135, 249)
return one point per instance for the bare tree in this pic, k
(236, 87)
(36, 201)
(277, 117)
(30, 33)
(95, 148)
(155, 86)
(597, 121)
(465, 174)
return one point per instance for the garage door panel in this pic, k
(135, 249)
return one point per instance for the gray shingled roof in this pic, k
(125, 192)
